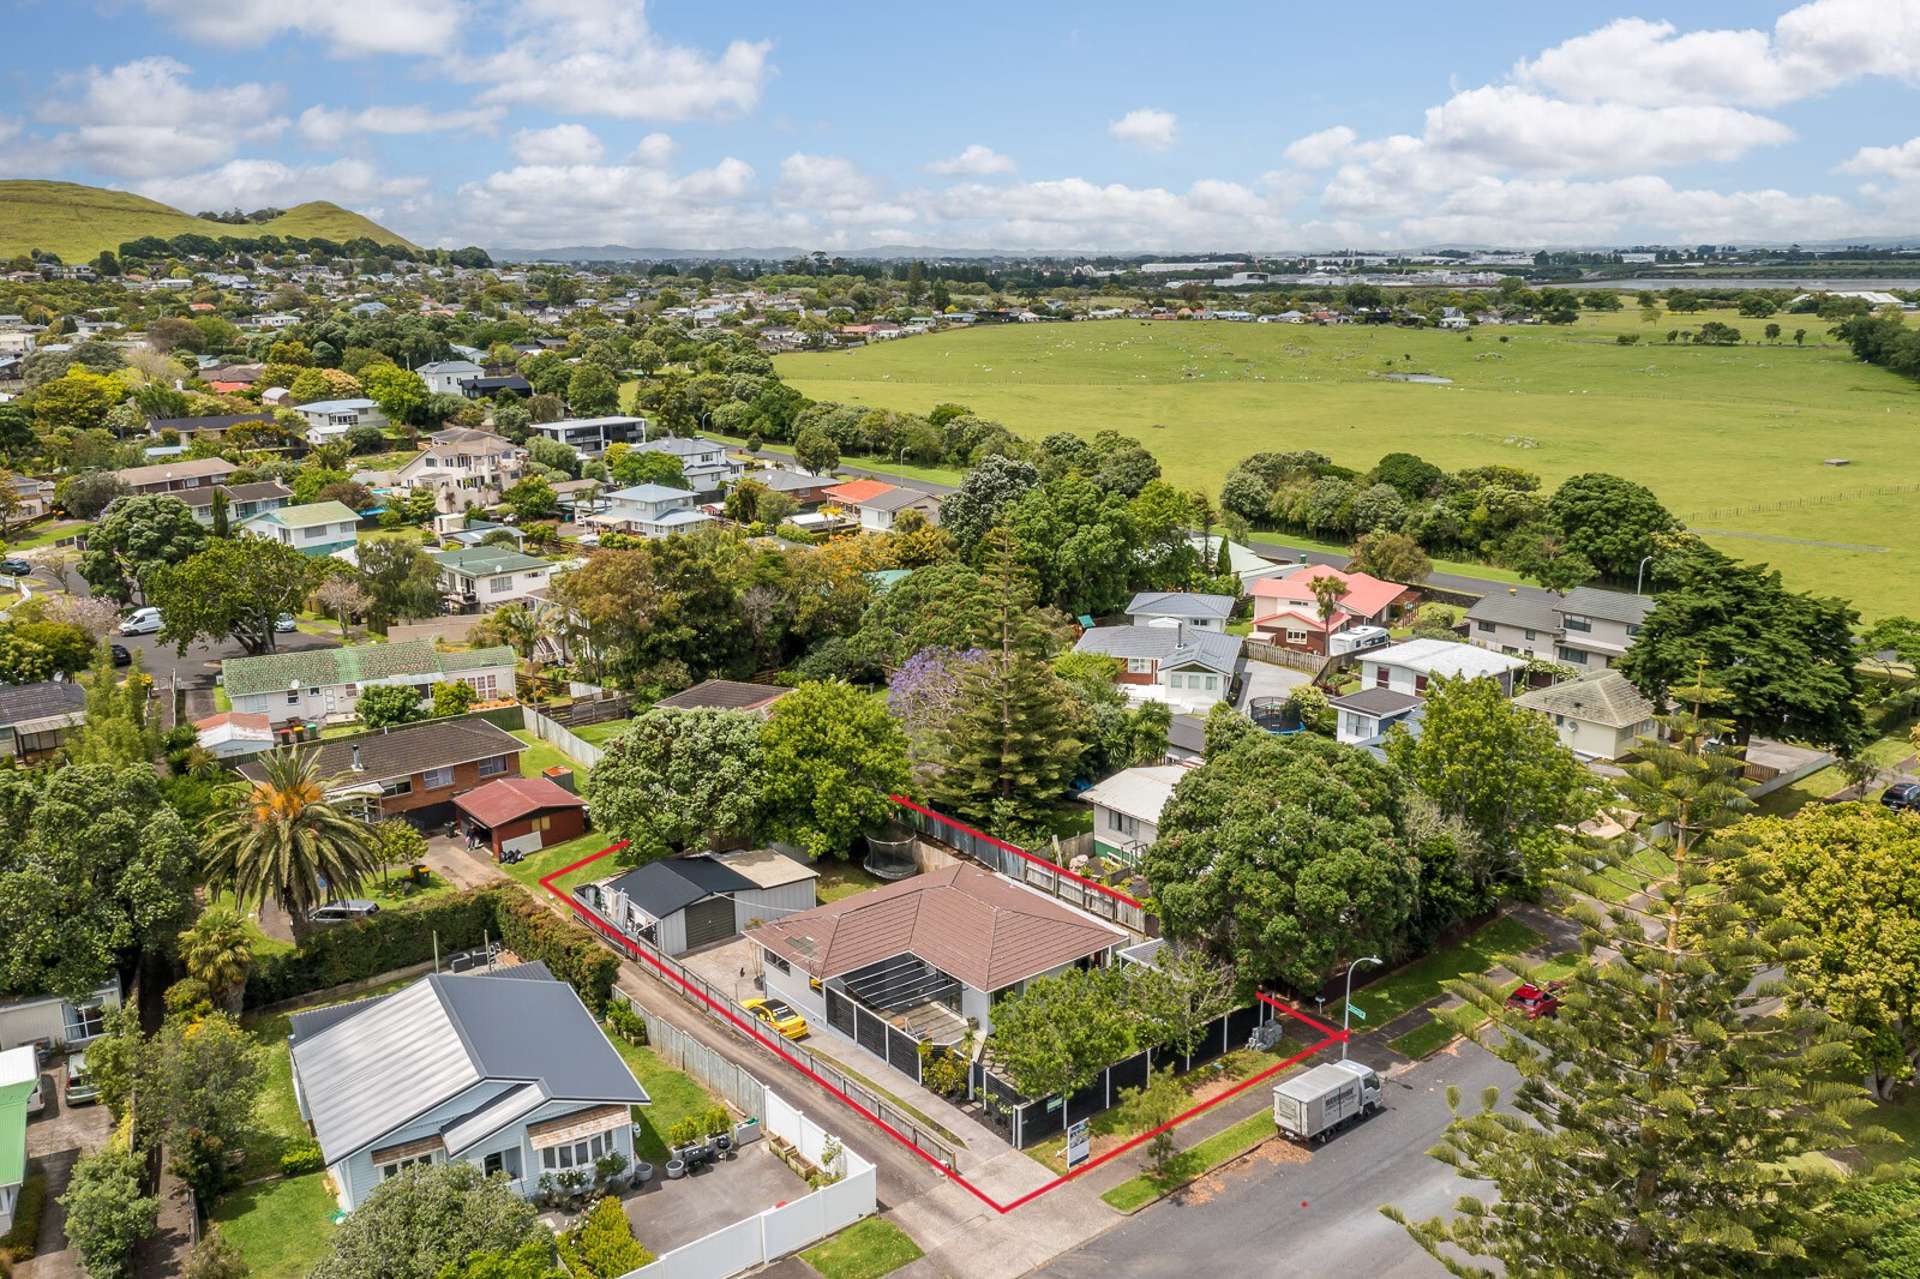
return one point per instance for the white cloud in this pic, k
(143, 118)
(562, 144)
(349, 27)
(1318, 150)
(976, 161)
(324, 126)
(1517, 129)
(253, 184)
(639, 204)
(823, 182)
(1902, 163)
(1146, 127)
(599, 57)
(1811, 49)
(1071, 213)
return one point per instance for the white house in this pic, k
(590, 436)
(1600, 716)
(652, 510)
(464, 467)
(704, 462)
(1126, 808)
(1368, 712)
(321, 684)
(1168, 608)
(313, 528)
(49, 1019)
(1409, 667)
(505, 1070)
(1188, 669)
(1247, 566)
(488, 576)
(681, 903)
(443, 377)
(233, 734)
(1586, 627)
(329, 420)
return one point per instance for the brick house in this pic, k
(415, 771)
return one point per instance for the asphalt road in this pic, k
(1266, 1216)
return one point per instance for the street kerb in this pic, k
(1330, 1036)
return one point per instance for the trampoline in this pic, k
(890, 853)
(1274, 715)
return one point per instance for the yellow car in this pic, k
(778, 1016)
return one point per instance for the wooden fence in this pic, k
(556, 734)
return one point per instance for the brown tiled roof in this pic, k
(970, 923)
(724, 695)
(391, 753)
(508, 798)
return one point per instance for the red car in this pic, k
(1534, 1003)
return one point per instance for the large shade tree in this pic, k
(234, 588)
(678, 778)
(283, 839)
(139, 536)
(832, 756)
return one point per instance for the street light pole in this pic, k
(1640, 573)
(1346, 1009)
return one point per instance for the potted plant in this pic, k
(573, 1184)
(609, 1170)
(642, 1173)
(683, 1139)
(719, 1126)
(546, 1190)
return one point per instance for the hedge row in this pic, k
(405, 935)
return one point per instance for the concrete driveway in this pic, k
(1264, 679)
(55, 1141)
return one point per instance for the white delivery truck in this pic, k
(1312, 1106)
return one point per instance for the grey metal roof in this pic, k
(897, 499)
(1376, 701)
(1171, 645)
(392, 1060)
(679, 445)
(663, 887)
(1181, 604)
(1599, 697)
(403, 750)
(1529, 612)
(1188, 732)
(1614, 606)
(481, 1123)
(22, 702)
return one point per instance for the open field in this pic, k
(77, 221)
(1733, 439)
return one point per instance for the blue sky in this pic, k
(1063, 126)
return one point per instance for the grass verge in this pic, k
(1227, 1144)
(1422, 1040)
(1420, 980)
(865, 1250)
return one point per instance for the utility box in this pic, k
(1314, 1105)
(562, 776)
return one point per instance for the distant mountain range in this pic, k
(77, 222)
(627, 253)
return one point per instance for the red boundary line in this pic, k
(1331, 1036)
(1004, 846)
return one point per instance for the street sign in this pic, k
(1357, 1011)
(1079, 1142)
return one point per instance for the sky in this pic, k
(1050, 125)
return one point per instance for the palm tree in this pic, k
(282, 838)
(218, 952)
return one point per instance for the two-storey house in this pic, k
(464, 467)
(314, 528)
(483, 577)
(1587, 627)
(591, 436)
(704, 462)
(652, 510)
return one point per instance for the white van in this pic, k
(142, 621)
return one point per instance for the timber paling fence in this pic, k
(1819, 499)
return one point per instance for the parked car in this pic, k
(16, 568)
(121, 657)
(778, 1016)
(142, 621)
(339, 912)
(1533, 1002)
(81, 1090)
(1902, 796)
(283, 624)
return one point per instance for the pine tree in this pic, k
(1223, 566)
(1015, 735)
(1666, 1116)
(220, 512)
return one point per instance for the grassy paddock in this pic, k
(1733, 439)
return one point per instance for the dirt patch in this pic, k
(1273, 1151)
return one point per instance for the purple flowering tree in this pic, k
(922, 694)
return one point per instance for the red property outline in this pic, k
(778, 1049)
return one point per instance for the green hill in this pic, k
(77, 221)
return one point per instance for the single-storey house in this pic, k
(1186, 740)
(244, 501)
(19, 1084)
(313, 528)
(682, 903)
(521, 814)
(321, 684)
(878, 504)
(36, 718)
(329, 420)
(1246, 564)
(725, 695)
(208, 424)
(1126, 808)
(1188, 669)
(807, 490)
(234, 734)
(443, 377)
(491, 384)
(1601, 715)
(1368, 713)
(172, 477)
(1586, 627)
(1168, 608)
(46, 1020)
(1286, 611)
(483, 577)
(927, 953)
(1409, 666)
(414, 771)
(504, 1070)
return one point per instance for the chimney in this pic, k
(358, 767)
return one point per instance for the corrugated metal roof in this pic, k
(478, 1125)
(663, 887)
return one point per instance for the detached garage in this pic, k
(683, 903)
(520, 814)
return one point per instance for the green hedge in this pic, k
(19, 1243)
(602, 1246)
(404, 935)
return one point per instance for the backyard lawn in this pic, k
(528, 871)
(675, 1095)
(280, 1227)
(843, 879)
(603, 732)
(540, 756)
(865, 1250)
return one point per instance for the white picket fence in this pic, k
(772, 1234)
(556, 734)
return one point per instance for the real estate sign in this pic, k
(1079, 1142)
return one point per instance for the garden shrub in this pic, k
(602, 1246)
(569, 951)
(303, 1158)
(19, 1243)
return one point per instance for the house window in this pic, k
(1121, 823)
(505, 1162)
(293, 697)
(1488, 627)
(776, 963)
(1176, 680)
(1575, 622)
(1419, 683)
(435, 778)
(404, 786)
(1139, 666)
(87, 1022)
(1213, 683)
(1380, 677)
(1632, 630)
(580, 1154)
(500, 585)
(1296, 637)
(492, 767)
(1571, 656)
(1530, 635)
(483, 685)
(394, 1169)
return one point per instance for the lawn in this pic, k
(529, 870)
(46, 535)
(1228, 1143)
(603, 732)
(1901, 1117)
(843, 879)
(280, 1227)
(783, 453)
(540, 756)
(1430, 1036)
(1420, 980)
(1733, 439)
(865, 1250)
(676, 1096)
(1617, 883)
